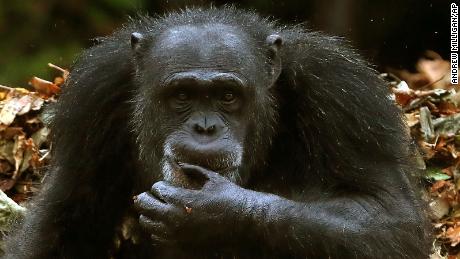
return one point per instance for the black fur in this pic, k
(325, 137)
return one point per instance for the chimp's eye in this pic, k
(228, 98)
(182, 96)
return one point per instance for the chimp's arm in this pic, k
(92, 172)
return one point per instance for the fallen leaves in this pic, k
(47, 88)
(43, 86)
(24, 144)
(431, 105)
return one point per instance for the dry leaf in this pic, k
(44, 87)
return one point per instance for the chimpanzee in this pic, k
(231, 136)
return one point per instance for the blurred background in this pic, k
(389, 33)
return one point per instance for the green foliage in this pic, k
(436, 174)
(34, 33)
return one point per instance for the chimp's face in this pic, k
(200, 84)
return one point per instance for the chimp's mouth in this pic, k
(215, 165)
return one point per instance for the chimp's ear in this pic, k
(274, 43)
(136, 40)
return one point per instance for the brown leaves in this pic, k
(24, 145)
(46, 88)
(453, 234)
(18, 103)
(431, 106)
